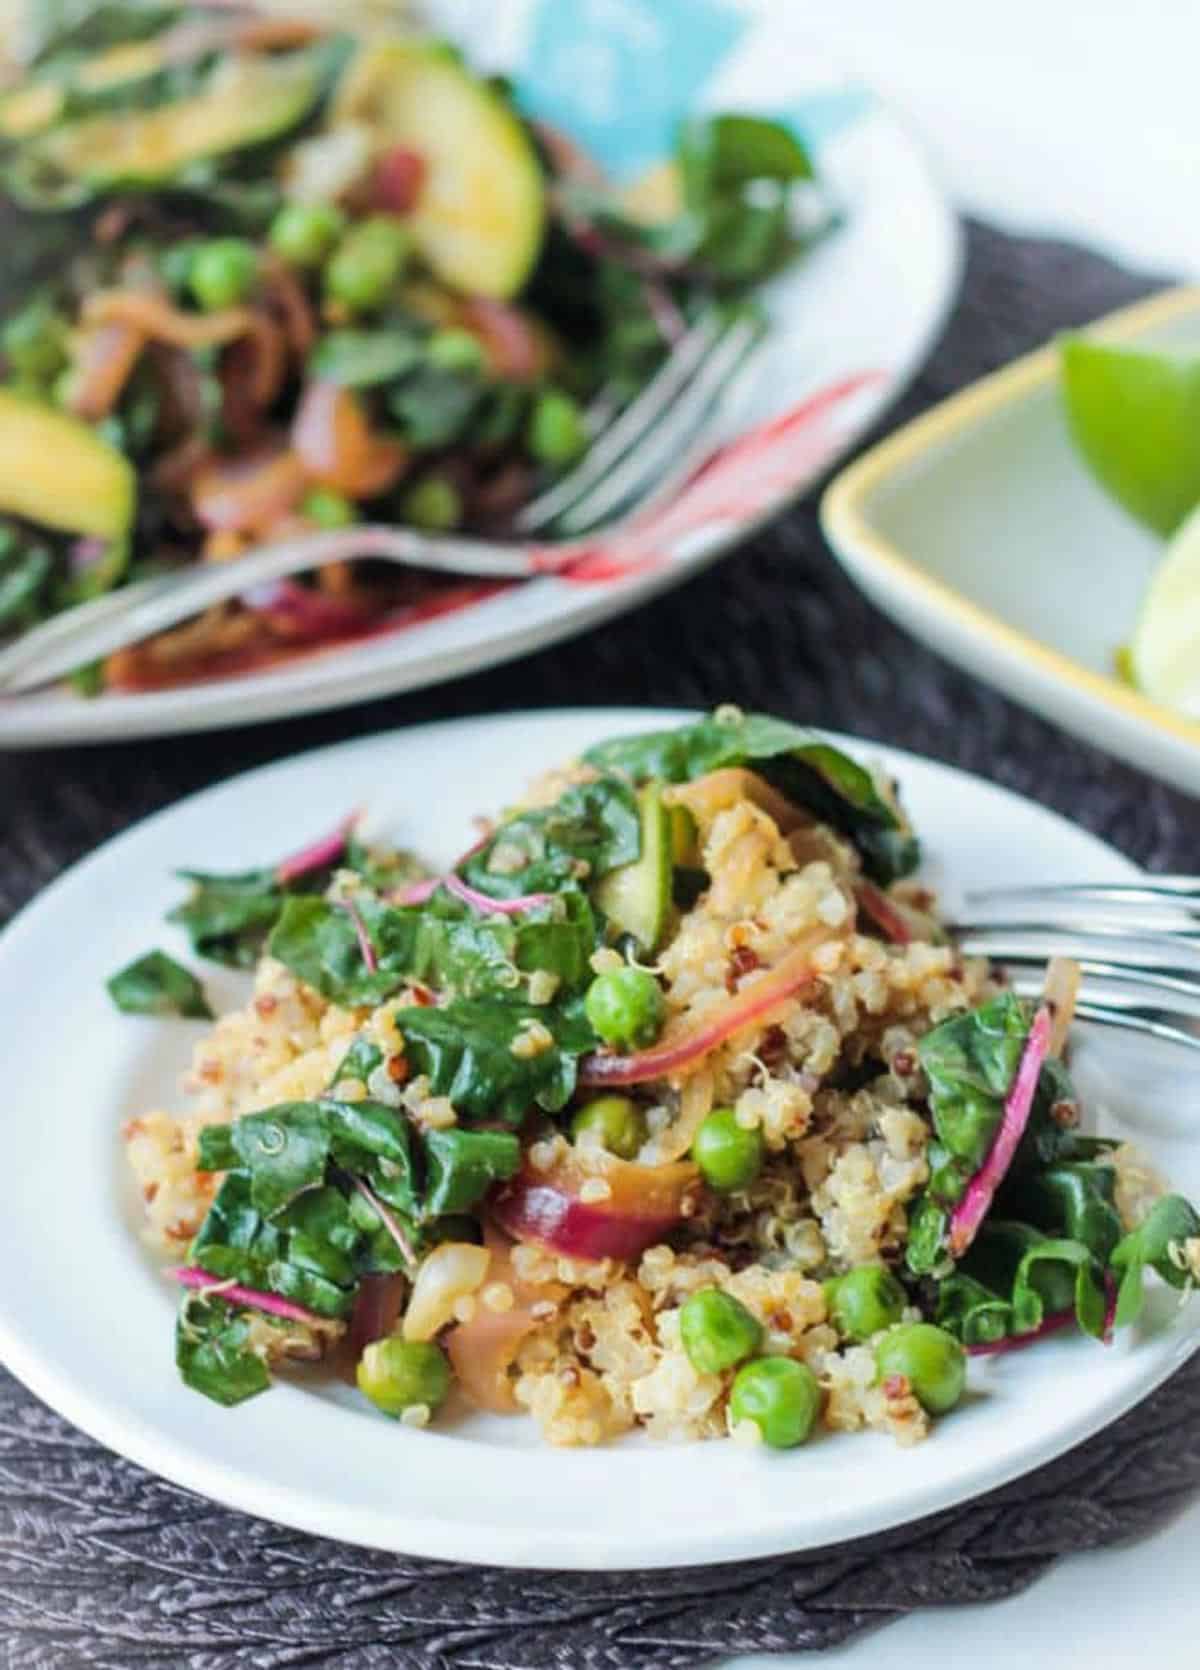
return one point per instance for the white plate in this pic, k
(979, 529)
(88, 1324)
(852, 323)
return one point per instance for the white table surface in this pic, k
(1076, 118)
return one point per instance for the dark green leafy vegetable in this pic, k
(1158, 1244)
(970, 1061)
(738, 174)
(444, 943)
(972, 1312)
(1074, 1199)
(157, 985)
(802, 766)
(1014, 1279)
(433, 408)
(213, 1354)
(592, 828)
(25, 570)
(228, 918)
(366, 359)
(466, 1049)
(301, 1214)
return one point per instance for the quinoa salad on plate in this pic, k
(671, 1106)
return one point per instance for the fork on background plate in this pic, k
(639, 458)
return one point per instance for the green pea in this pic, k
(397, 1374)
(864, 1301)
(729, 1156)
(717, 1331)
(328, 509)
(625, 1008)
(454, 350)
(35, 342)
(365, 267)
(930, 1359)
(557, 433)
(434, 504)
(222, 273)
(305, 233)
(781, 1396)
(618, 1122)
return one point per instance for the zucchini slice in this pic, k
(480, 218)
(637, 898)
(59, 473)
(247, 102)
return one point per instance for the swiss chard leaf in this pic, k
(444, 943)
(433, 408)
(25, 573)
(1029, 1277)
(213, 1354)
(366, 359)
(972, 1312)
(1071, 1199)
(1170, 1222)
(157, 985)
(462, 1165)
(228, 917)
(466, 1048)
(970, 1061)
(592, 828)
(809, 771)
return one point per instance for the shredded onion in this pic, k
(687, 1051)
(1060, 997)
(250, 495)
(449, 1273)
(158, 319)
(977, 1198)
(695, 1105)
(482, 1349)
(331, 434)
(104, 361)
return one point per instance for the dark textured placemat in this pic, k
(102, 1565)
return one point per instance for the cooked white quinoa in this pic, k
(846, 1154)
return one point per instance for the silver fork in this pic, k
(637, 461)
(1137, 945)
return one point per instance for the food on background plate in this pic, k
(1134, 414)
(269, 276)
(669, 1106)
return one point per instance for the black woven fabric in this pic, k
(102, 1565)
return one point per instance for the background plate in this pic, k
(853, 324)
(86, 1322)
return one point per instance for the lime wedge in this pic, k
(1166, 643)
(1135, 417)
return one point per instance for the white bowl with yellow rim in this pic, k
(978, 528)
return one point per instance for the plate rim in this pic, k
(848, 525)
(50, 723)
(169, 1457)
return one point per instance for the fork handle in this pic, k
(140, 611)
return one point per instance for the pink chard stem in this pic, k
(319, 855)
(269, 1303)
(367, 950)
(977, 1198)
